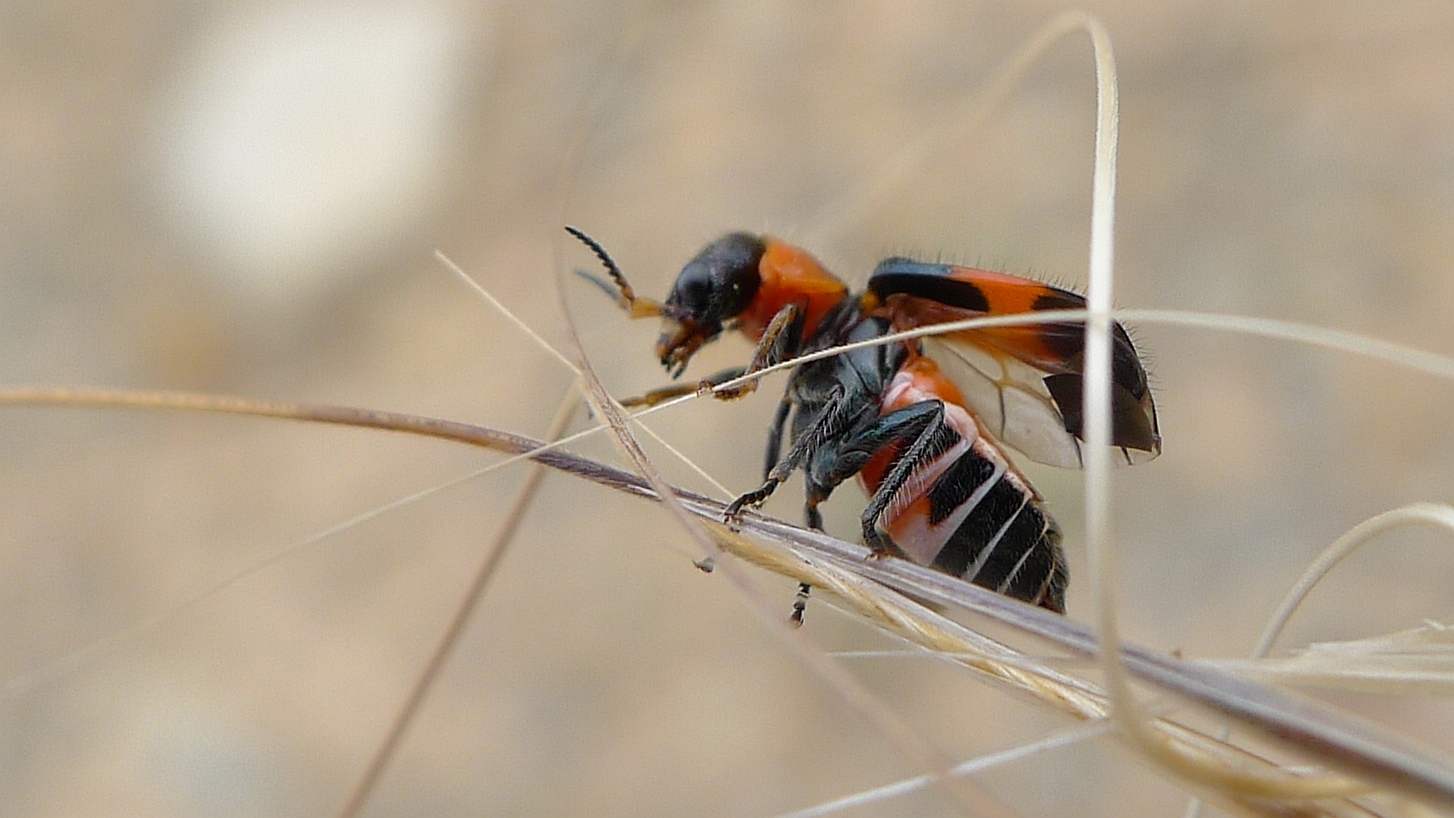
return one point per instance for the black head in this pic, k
(715, 287)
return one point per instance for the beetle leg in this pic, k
(753, 498)
(828, 425)
(677, 390)
(921, 427)
(924, 423)
(814, 519)
(800, 604)
(783, 331)
(912, 423)
(775, 433)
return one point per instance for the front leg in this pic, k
(830, 423)
(676, 390)
(783, 332)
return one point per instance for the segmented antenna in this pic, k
(625, 296)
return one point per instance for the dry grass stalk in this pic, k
(1398, 775)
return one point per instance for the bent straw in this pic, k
(1343, 742)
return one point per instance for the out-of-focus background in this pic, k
(245, 199)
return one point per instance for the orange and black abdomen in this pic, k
(1007, 543)
(966, 510)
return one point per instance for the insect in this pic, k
(918, 422)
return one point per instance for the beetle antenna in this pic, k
(606, 260)
(623, 293)
(606, 287)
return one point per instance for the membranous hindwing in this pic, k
(1024, 381)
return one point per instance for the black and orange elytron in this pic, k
(918, 422)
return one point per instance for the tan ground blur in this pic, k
(1282, 160)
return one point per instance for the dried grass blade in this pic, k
(1417, 662)
(1321, 733)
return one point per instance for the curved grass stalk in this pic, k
(1276, 329)
(1350, 745)
(1231, 780)
(1359, 535)
(1355, 538)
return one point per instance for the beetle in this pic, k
(918, 422)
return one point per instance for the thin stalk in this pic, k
(1328, 736)
(514, 513)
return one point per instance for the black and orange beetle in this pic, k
(918, 422)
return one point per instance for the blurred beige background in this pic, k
(245, 200)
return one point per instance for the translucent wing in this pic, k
(1025, 382)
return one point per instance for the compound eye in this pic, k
(693, 293)
(697, 295)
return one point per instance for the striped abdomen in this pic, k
(968, 511)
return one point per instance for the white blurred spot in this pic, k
(303, 140)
